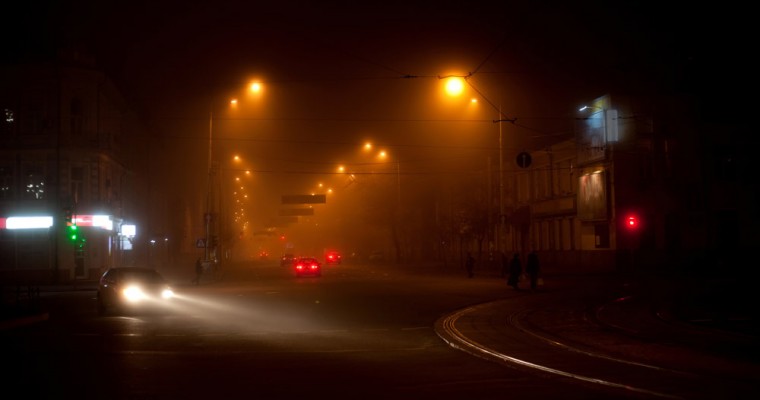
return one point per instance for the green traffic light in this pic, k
(73, 233)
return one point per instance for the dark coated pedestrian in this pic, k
(198, 271)
(532, 269)
(515, 270)
(470, 265)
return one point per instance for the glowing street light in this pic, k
(455, 87)
(253, 88)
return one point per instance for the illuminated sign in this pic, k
(26, 222)
(46, 221)
(592, 196)
(128, 230)
(100, 221)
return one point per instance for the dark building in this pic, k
(70, 154)
(647, 184)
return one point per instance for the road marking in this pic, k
(461, 342)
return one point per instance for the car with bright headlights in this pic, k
(131, 289)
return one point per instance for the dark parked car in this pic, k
(286, 259)
(307, 266)
(125, 289)
(376, 256)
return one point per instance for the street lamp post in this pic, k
(398, 184)
(255, 88)
(207, 217)
(455, 87)
(500, 230)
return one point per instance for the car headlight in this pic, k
(133, 293)
(167, 293)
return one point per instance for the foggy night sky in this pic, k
(338, 73)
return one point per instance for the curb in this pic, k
(25, 320)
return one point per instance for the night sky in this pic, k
(341, 72)
(521, 55)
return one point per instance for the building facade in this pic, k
(64, 135)
(643, 185)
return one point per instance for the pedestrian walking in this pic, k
(470, 265)
(515, 270)
(504, 265)
(532, 269)
(198, 271)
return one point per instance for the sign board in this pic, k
(592, 197)
(304, 199)
(200, 243)
(524, 159)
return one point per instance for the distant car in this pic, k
(286, 260)
(376, 256)
(333, 257)
(129, 289)
(263, 255)
(307, 266)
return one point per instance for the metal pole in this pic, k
(501, 187)
(207, 217)
(398, 184)
(501, 234)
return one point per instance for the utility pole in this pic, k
(207, 217)
(500, 233)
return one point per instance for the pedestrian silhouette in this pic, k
(532, 269)
(504, 265)
(515, 270)
(198, 271)
(470, 265)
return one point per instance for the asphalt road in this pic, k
(609, 334)
(406, 332)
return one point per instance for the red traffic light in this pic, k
(632, 222)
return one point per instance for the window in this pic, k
(523, 187)
(540, 183)
(7, 184)
(555, 231)
(568, 242)
(602, 234)
(33, 122)
(76, 113)
(563, 177)
(77, 184)
(32, 249)
(9, 116)
(8, 123)
(34, 183)
(724, 164)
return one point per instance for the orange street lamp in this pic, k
(254, 87)
(455, 87)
